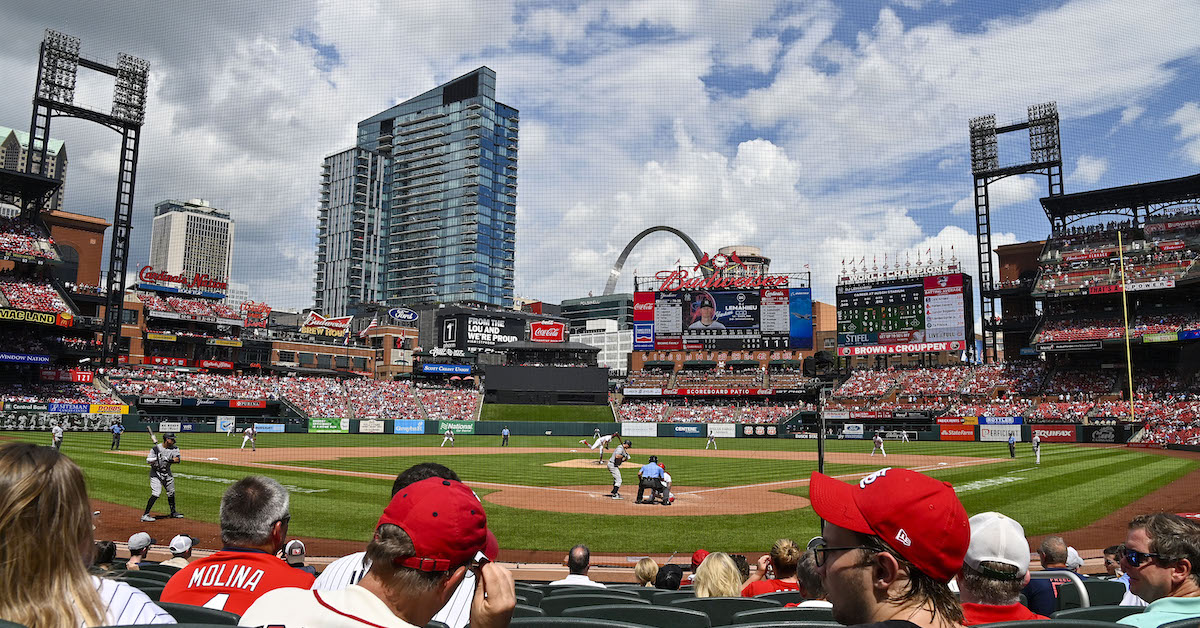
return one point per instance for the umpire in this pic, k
(650, 476)
(614, 463)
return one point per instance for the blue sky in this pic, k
(818, 131)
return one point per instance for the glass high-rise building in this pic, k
(447, 187)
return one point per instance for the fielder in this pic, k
(878, 445)
(614, 463)
(1037, 448)
(447, 437)
(160, 460)
(56, 432)
(712, 440)
(117, 430)
(904, 436)
(229, 428)
(250, 435)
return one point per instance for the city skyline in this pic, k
(813, 132)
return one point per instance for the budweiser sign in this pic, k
(320, 326)
(199, 281)
(547, 331)
(675, 280)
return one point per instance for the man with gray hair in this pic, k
(1160, 555)
(254, 526)
(994, 570)
(1042, 595)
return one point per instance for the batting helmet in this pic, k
(628, 444)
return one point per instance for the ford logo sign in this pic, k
(402, 314)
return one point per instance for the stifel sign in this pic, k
(547, 331)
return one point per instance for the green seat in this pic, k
(573, 590)
(656, 616)
(152, 592)
(1050, 623)
(199, 614)
(524, 610)
(1100, 593)
(648, 593)
(167, 569)
(1099, 613)
(1191, 622)
(533, 594)
(157, 576)
(720, 610)
(9, 624)
(783, 597)
(556, 604)
(569, 622)
(436, 624)
(794, 613)
(794, 624)
(664, 598)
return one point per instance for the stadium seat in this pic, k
(1049, 623)
(648, 593)
(167, 569)
(1191, 622)
(1100, 593)
(436, 624)
(570, 622)
(9, 624)
(759, 615)
(186, 613)
(720, 610)
(664, 598)
(556, 604)
(783, 597)
(656, 616)
(569, 590)
(1099, 613)
(523, 610)
(152, 592)
(156, 576)
(532, 594)
(794, 624)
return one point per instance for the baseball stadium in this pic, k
(1056, 380)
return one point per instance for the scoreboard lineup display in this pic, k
(910, 315)
(768, 318)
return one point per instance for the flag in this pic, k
(373, 324)
(346, 339)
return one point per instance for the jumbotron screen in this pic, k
(910, 315)
(767, 318)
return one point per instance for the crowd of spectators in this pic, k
(787, 377)
(1068, 381)
(20, 237)
(382, 399)
(453, 404)
(707, 410)
(719, 377)
(867, 384)
(649, 378)
(30, 294)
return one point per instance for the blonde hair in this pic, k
(785, 554)
(718, 576)
(645, 571)
(45, 540)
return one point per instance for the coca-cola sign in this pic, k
(547, 331)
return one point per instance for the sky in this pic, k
(821, 132)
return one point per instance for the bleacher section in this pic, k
(21, 239)
(28, 294)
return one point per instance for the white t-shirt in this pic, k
(125, 605)
(348, 570)
(578, 580)
(305, 608)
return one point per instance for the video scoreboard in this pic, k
(909, 315)
(766, 318)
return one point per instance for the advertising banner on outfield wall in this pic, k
(840, 415)
(408, 426)
(1000, 420)
(722, 430)
(691, 430)
(169, 426)
(852, 430)
(758, 430)
(1104, 433)
(224, 424)
(970, 420)
(965, 432)
(1054, 433)
(999, 433)
(276, 428)
(327, 425)
(370, 426)
(639, 429)
(949, 420)
(458, 427)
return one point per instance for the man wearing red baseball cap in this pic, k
(430, 534)
(890, 545)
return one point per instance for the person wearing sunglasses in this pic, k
(1160, 556)
(1112, 564)
(890, 545)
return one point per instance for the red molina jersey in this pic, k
(230, 580)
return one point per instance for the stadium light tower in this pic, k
(54, 95)
(1045, 157)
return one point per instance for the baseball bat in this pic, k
(152, 436)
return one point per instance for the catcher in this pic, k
(614, 462)
(650, 476)
(160, 460)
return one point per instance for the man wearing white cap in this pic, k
(181, 551)
(294, 553)
(139, 547)
(994, 570)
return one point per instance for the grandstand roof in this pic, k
(1110, 200)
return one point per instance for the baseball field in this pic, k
(548, 493)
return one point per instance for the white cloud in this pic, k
(1130, 114)
(1187, 118)
(1088, 170)
(1003, 193)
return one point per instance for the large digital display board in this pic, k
(766, 318)
(910, 315)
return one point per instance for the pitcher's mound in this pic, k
(575, 463)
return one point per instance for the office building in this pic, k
(350, 256)
(190, 238)
(14, 153)
(614, 307)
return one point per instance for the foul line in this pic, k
(846, 476)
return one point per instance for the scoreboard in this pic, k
(909, 315)
(766, 318)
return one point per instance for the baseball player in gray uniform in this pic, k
(160, 460)
(56, 436)
(1037, 448)
(614, 462)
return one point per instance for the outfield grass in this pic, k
(521, 412)
(1073, 486)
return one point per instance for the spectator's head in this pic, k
(422, 471)
(181, 546)
(742, 564)
(997, 563)
(1074, 560)
(106, 553)
(254, 514)
(1053, 553)
(784, 555)
(806, 574)
(45, 540)
(428, 535)
(579, 560)
(139, 544)
(293, 553)
(1112, 560)
(717, 576)
(669, 577)
(1161, 554)
(645, 571)
(890, 545)
(698, 557)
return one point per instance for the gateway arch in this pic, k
(615, 273)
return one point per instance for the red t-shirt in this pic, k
(974, 614)
(232, 579)
(758, 587)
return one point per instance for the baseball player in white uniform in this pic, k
(878, 445)
(229, 428)
(601, 443)
(1037, 448)
(614, 463)
(904, 436)
(448, 437)
(250, 435)
(712, 440)
(56, 436)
